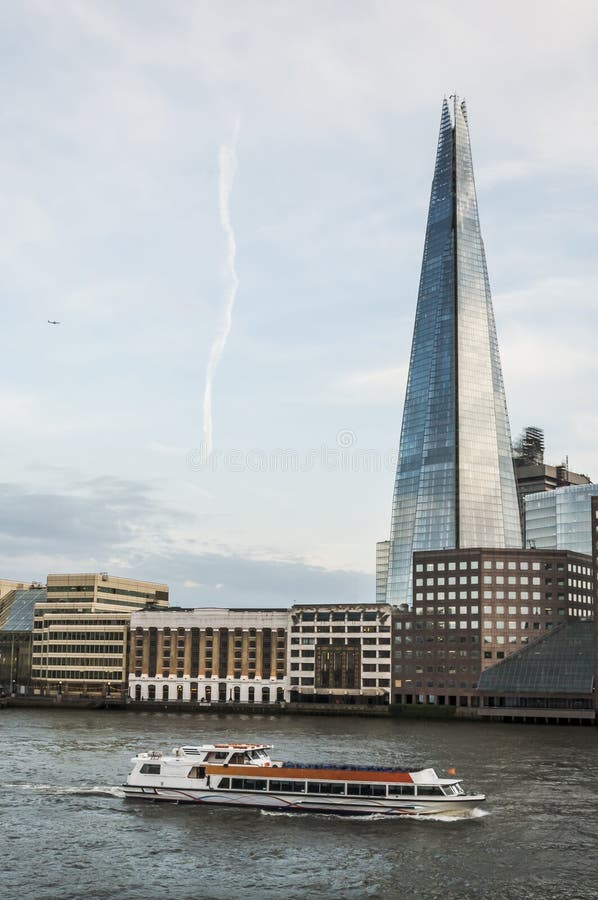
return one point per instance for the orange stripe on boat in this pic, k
(278, 773)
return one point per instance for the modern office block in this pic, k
(560, 518)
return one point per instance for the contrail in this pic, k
(227, 165)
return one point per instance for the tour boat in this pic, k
(239, 774)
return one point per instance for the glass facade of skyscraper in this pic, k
(455, 485)
(560, 519)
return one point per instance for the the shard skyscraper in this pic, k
(455, 485)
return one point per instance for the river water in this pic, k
(67, 833)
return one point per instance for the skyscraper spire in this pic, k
(455, 485)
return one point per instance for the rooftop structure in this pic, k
(533, 475)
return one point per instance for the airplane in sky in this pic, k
(53, 322)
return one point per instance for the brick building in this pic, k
(473, 608)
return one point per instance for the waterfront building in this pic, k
(80, 634)
(594, 529)
(533, 475)
(340, 653)
(455, 485)
(475, 607)
(550, 680)
(560, 518)
(16, 632)
(209, 655)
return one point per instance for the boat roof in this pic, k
(230, 745)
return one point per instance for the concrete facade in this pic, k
(340, 653)
(80, 632)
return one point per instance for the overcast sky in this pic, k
(114, 116)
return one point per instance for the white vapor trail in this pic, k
(227, 165)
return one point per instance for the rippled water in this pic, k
(67, 832)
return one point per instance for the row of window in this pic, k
(310, 641)
(452, 670)
(237, 673)
(209, 632)
(82, 662)
(336, 788)
(42, 620)
(366, 682)
(448, 566)
(341, 629)
(501, 565)
(338, 616)
(53, 648)
(77, 675)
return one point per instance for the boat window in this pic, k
(149, 769)
(401, 790)
(366, 790)
(216, 756)
(197, 772)
(428, 790)
(325, 787)
(291, 787)
(224, 783)
(450, 790)
(249, 784)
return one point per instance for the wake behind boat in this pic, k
(239, 774)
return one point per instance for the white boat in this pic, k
(239, 774)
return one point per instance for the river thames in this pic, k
(67, 832)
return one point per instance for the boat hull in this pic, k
(460, 806)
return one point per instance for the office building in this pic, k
(473, 608)
(209, 655)
(340, 654)
(80, 633)
(455, 485)
(560, 518)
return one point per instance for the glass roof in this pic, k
(560, 663)
(20, 612)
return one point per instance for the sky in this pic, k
(254, 177)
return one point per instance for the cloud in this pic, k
(123, 527)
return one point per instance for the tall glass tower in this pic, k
(455, 485)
